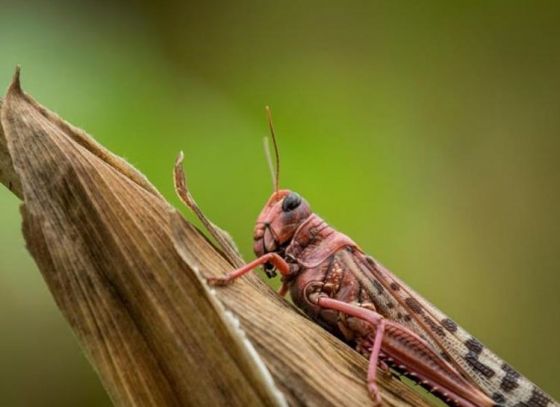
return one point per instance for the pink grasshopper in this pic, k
(350, 294)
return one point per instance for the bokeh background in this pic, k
(427, 132)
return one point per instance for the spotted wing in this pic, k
(400, 303)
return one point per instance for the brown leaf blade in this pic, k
(8, 175)
(102, 241)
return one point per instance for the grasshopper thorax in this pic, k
(277, 223)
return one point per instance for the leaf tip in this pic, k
(180, 158)
(15, 86)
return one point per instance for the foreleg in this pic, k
(281, 265)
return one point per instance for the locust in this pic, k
(357, 299)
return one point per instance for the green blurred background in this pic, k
(427, 132)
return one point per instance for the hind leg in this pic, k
(376, 320)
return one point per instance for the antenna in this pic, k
(266, 145)
(276, 153)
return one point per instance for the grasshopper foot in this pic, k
(385, 369)
(374, 393)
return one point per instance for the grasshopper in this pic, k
(354, 297)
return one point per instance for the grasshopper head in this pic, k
(278, 221)
(284, 212)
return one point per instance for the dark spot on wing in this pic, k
(390, 305)
(445, 356)
(371, 262)
(414, 305)
(378, 287)
(498, 398)
(484, 370)
(509, 382)
(394, 286)
(538, 399)
(407, 318)
(474, 346)
(434, 326)
(450, 325)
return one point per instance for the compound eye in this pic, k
(291, 202)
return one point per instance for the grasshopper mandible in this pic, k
(353, 296)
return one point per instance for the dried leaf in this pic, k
(123, 266)
(100, 236)
(7, 173)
